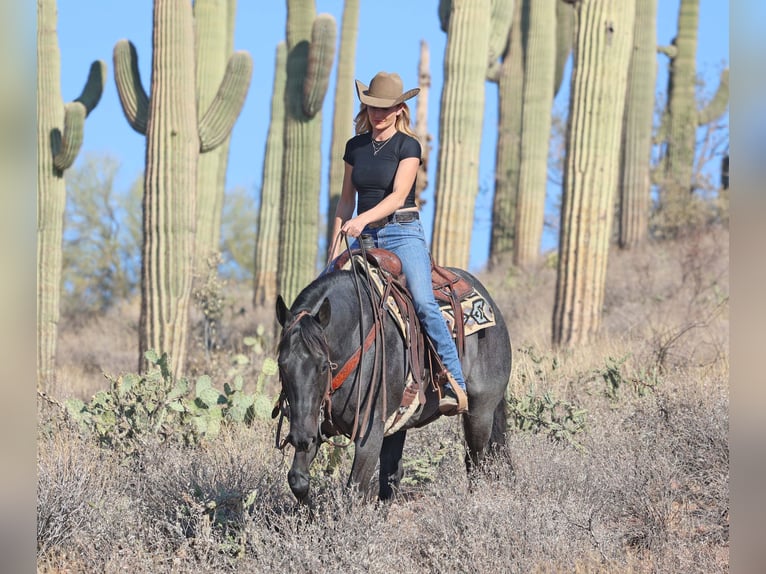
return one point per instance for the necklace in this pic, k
(377, 146)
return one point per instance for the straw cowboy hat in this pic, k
(385, 91)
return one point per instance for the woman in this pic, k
(382, 162)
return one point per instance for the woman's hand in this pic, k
(354, 226)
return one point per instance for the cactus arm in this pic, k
(717, 105)
(94, 86)
(500, 28)
(219, 119)
(564, 40)
(135, 102)
(669, 51)
(445, 8)
(493, 72)
(71, 140)
(320, 60)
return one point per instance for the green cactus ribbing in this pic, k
(510, 94)
(635, 188)
(510, 108)
(320, 59)
(603, 40)
(175, 137)
(564, 37)
(267, 239)
(501, 19)
(681, 118)
(539, 76)
(214, 28)
(343, 108)
(301, 177)
(59, 138)
(460, 127)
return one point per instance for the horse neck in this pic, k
(343, 331)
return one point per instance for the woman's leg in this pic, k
(407, 240)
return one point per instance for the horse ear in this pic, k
(283, 313)
(323, 315)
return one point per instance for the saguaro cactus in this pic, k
(460, 126)
(174, 139)
(267, 240)
(510, 92)
(510, 108)
(214, 28)
(539, 76)
(342, 123)
(603, 38)
(421, 120)
(310, 54)
(59, 137)
(682, 118)
(635, 185)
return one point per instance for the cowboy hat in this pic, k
(385, 91)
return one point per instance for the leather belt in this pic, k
(396, 216)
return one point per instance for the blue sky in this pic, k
(389, 38)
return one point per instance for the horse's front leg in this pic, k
(298, 477)
(366, 454)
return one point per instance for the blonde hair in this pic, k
(362, 121)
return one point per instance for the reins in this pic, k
(376, 333)
(367, 339)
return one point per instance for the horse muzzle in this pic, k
(299, 483)
(302, 441)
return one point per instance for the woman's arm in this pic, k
(343, 212)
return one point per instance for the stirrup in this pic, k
(453, 401)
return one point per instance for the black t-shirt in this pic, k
(373, 175)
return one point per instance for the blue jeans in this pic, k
(407, 240)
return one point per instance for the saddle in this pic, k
(450, 289)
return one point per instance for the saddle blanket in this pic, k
(478, 314)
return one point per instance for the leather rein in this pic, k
(373, 335)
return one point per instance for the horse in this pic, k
(327, 329)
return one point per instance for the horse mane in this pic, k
(308, 299)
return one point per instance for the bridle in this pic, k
(374, 335)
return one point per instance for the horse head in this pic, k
(305, 372)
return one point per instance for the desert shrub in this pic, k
(73, 490)
(141, 407)
(648, 492)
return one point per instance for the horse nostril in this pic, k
(299, 484)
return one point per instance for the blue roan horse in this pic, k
(326, 325)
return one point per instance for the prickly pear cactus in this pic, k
(60, 130)
(310, 52)
(137, 410)
(176, 133)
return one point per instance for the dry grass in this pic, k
(647, 491)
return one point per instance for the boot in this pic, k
(454, 401)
